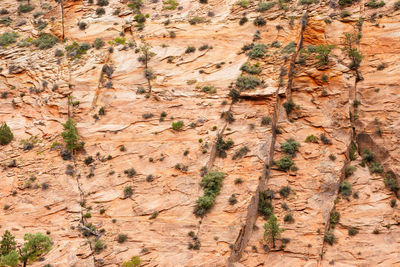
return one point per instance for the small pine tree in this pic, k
(134, 262)
(6, 136)
(36, 245)
(7, 243)
(70, 135)
(272, 230)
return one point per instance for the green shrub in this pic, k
(177, 125)
(334, 218)
(5, 21)
(128, 191)
(6, 136)
(288, 218)
(368, 156)
(284, 163)
(98, 43)
(122, 238)
(325, 140)
(264, 204)
(329, 238)
(311, 139)
(211, 183)
(133, 262)
(76, 51)
(102, 2)
(290, 146)
(100, 11)
(222, 146)
(258, 51)
(243, 20)
(243, 3)
(265, 120)
(349, 171)
(232, 199)
(251, 69)
(306, 2)
(190, 49)
(285, 191)
(375, 4)
(345, 14)
(170, 5)
(88, 160)
(289, 48)
(391, 182)
(246, 82)
(323, 52)
(45, 41)
(259, 21)
(375, 167)
(264, 6)
(130, 172)
(25, 8)
(396, 5)
(8, 38)
(70, 135)
(393, 202)
(289, 106)
(99, 245)
(345, 189)
(343, 3)
(352, 231)
(241, 152)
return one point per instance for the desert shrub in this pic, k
(122, 238)
(246, 82)
(228, 116)
(243, 3)
(130, 172)
(288, 218)
(45, 41)
(264, 6)
(345, 13)
(325, 139)
(241, 152)
(396, 5)
(391, 182)
(329, 238)
(172, 34)
(243, 20)
(349, 171)
(290, 146)
(289, 48)
(265, 120)
(82, 25)
(25, 8)
(251, 69)
(170, 5)
(259, 21)
(4, 11)
(345, 189)
(393, 202)
(334, 218)
(232, 199)
(311, 139)
(284, 163)
(99, 245)
(6, 136)
(306, 2)
(323, 52)
(58, 53)
(128, 191)
(8, 38)
(88, 160)
(258, 51)
(352, 231)
(196, 20)
(190, 49)
(211, 183)
(5, 21)
(285, 191)
(368, 156)
(375, 4)
(100, 11)
(133, 262)
(209, 89)
(177, 125)
(264, 204)
(102, 2)
(223, 146)
(375, 167)
(76, 51)
(289, 106)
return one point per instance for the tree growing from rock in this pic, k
(6, 136)
(70, 135)
(272, 230)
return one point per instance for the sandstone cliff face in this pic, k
(356, 109)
